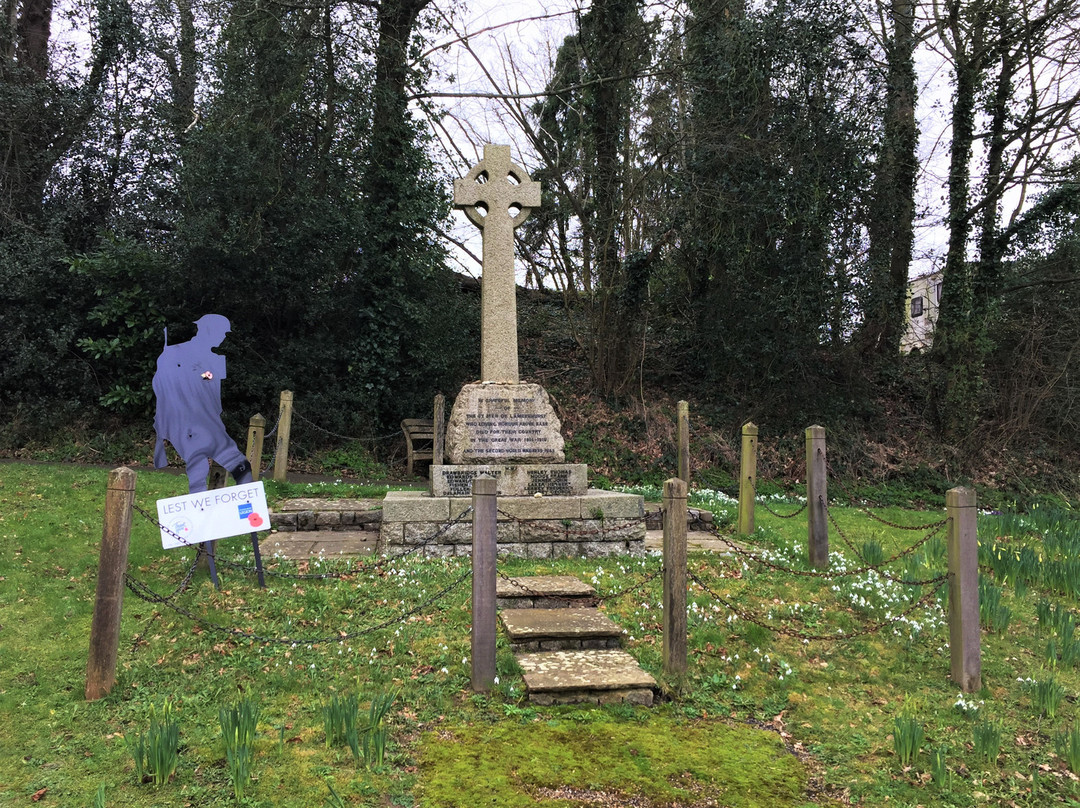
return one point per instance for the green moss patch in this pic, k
(558, 763)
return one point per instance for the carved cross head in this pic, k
(496, 191)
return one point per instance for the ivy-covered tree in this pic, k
(263, 165)
(589, 227)
(47, 100)
(891, 211)
(775, 190)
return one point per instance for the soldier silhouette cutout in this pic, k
(187, 389)
(187, 386)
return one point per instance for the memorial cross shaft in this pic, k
(497, 196)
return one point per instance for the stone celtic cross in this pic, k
(497, 196)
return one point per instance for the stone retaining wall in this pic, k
(327, 514)
(350, 515)
(600, 523)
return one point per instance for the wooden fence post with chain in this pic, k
(817, 498)
(963, 541)
(281, 453)
(748, 478)
(112, 566)
(484, 549)
(675, 624)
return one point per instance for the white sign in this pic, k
(217, 514)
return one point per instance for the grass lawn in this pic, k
(763, 719)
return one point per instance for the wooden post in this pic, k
(817, 498)
(484, 548)
(112, 565)
(675, 640)
(217, 479)
(747, 478)
(963, 544)
(256, 432)
(281, 454)
(438, 448)
(218, 476)
(682, 452)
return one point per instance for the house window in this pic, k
(916, 306)
(937, 292)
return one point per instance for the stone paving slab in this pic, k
(323, 504)
(564, 586)
(605, 669)
(523, 625)
(308, 544)
(696, 541)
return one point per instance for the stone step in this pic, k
(696, 541)
(559, 629)
(585, 676)
(543, 592)
(323, 544)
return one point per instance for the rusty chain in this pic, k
(154, 520)
(935, 529)
(358, 569)
(759, 559)
(144, 592)
(851, 498)
(763, 504)
(853, 501)
(873, 628)
(355, 570)
(297, 414)
(181, 587)
(652, 576)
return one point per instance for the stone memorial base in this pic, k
(597, 523)
(513, 480)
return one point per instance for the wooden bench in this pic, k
(419, 441)
(424, 437)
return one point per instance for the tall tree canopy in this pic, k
(730, 199)
(261, 163)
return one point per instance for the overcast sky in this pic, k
(513, 44)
